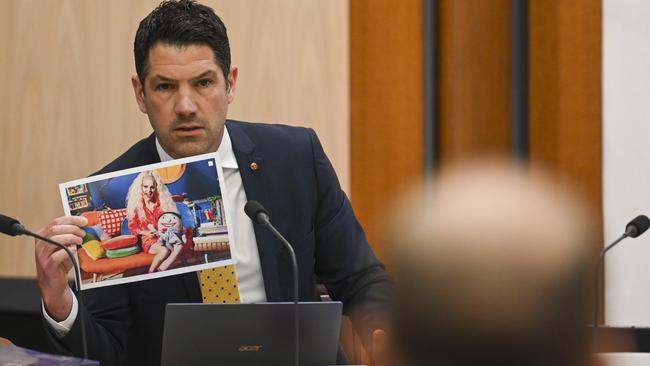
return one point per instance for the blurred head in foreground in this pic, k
(492, 269)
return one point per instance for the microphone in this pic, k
(10, 226)
(13, 227)
(260, 215)
(257, 212)
(637, 226)
(633, 229)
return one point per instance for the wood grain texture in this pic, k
(294, 69)
(68, 107)
(566, 96)
(386, 107)
(474, 78)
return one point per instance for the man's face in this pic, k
(148, 188)
(186, 98)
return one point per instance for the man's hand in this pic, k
(53, 264)
(381, 350)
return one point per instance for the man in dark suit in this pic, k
(184, 84)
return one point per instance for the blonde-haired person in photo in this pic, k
(148, 198)
(492, 269)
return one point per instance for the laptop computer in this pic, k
(250, 334)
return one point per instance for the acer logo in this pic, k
(250, 348)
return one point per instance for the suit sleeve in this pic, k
(345, 263)
(106, 326)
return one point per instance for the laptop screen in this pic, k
(250, 334)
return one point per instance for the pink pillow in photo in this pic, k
(119, 242)
(111, 221)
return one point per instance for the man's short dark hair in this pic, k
(181, 23)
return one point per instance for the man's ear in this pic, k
(138, 90)
(232, 83)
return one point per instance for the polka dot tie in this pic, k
(219, 285)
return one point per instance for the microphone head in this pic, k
(8, 225)
(637, 226)
(253, 210)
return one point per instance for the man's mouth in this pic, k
(188, 130)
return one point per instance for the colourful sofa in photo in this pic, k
(96, 266)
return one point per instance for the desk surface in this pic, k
(625, 359)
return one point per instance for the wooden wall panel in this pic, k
(294, 67)
(68, 107)
(386, 106)
(474, 78)
(566, 95)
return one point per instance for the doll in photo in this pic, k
(171, 236)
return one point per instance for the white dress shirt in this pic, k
(244, 248)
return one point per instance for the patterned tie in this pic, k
(219, 285)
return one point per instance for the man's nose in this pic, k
(185, 106)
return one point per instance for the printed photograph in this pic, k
(152, 221)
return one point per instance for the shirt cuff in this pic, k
(62, 328)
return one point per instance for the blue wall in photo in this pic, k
(199, 181)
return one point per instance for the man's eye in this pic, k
(205, 83)
(164, 87)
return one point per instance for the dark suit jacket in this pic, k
(297, 184)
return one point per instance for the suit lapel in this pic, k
(256, 186)
(149, 155)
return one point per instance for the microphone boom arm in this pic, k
(264, 218)
(259, 215)
(20, 230)
(599, 264)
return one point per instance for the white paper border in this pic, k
(166, 273)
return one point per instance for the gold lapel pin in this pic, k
(254, 166)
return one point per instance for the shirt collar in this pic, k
(225, 154)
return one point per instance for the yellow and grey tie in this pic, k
(219, 285)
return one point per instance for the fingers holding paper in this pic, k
(53, 263)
